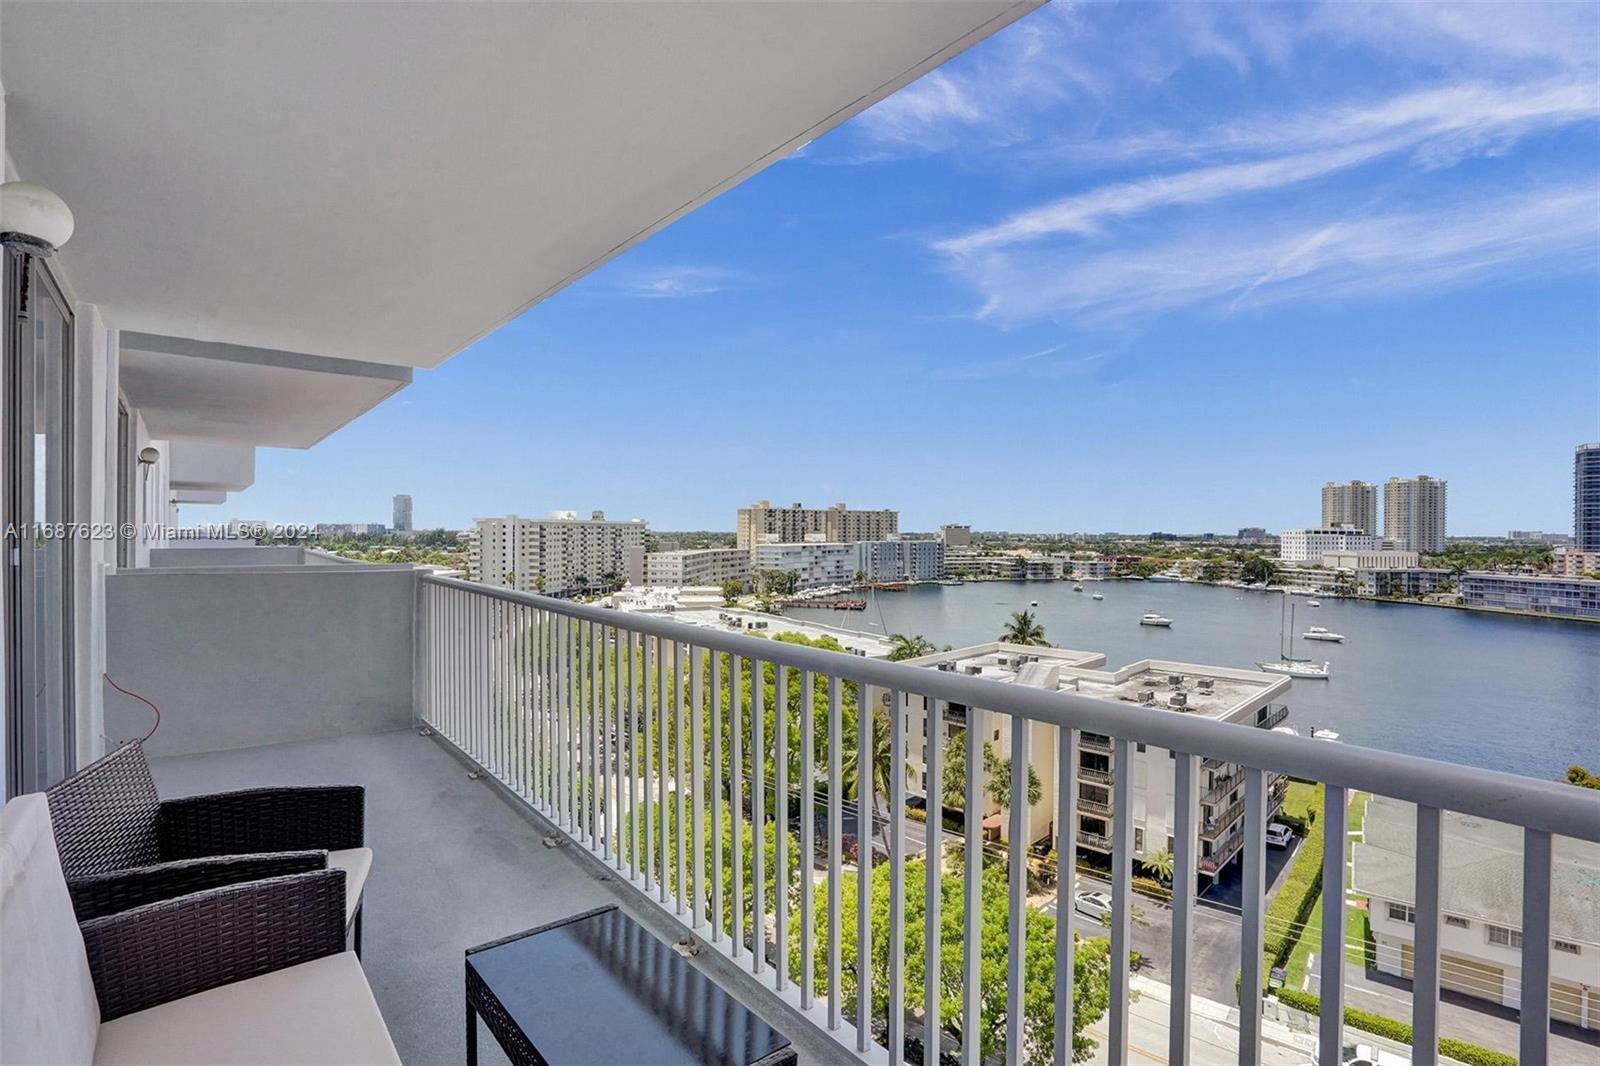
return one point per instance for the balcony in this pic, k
(595, 778)
(1273, 716)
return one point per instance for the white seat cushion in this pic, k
(355, 862)
(318, 1012)
(48, 1009)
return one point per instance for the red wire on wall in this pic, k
(142, 700)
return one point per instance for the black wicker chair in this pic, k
(252, 971)
(123, 846)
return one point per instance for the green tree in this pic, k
(1091, 962)
(1582, 777)
(732, 589)
(1160, 864)
(538, 583)
(1256, 569)
(902, 646)
(1213, 571)
(883, 769)
(997, 772)
(1023, 628)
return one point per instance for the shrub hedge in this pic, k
(1398, 1031)
(1291, 907)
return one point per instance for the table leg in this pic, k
(472, 1035)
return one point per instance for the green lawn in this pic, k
(1357, 929)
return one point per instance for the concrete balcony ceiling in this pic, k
(390, 182)
(230, 393)
(208, 466)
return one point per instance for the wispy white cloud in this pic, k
(1253, 263)
(677, 282)
(992, 368)
(1438, 127)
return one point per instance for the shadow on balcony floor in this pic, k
(455, 865)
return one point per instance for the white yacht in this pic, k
(1167, 575)
(1078, 587)
(1324, 734)
(1033, 603)
(1321, 633)
(1313, 603)
(1300, 668)
(1153, 619)
(1098, 596)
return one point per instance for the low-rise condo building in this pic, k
(1480, 944)
(1574, 597)
(819, 564)
(1381, 559)
(1570, 562)
(695, 566)
(1248, 697)
(1408, 581)
(1310, 545)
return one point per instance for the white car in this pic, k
(1096, 905)
(1279, 835)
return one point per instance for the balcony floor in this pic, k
(455, 865)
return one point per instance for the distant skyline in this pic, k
(1116, 268)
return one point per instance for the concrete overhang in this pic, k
(198, 496)
(389, 182)
(210, 465)
(229, 393)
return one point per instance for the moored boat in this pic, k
(1301, 668)
(1154, 619)
(1321, 633)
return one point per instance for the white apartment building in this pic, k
(1480, 944)
(1350, 503)
(821, 563)
(1414, 513)
(696, 566)
(762, 523)
(1247, 697)
(1382, 559)
(1091, 569)
(1302, 546)
(557, 555)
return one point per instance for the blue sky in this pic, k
(1120, 267)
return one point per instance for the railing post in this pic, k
(835, 846)
(933, 859)
(1534, 1041)
(1251, 935)
(1330, 983)
(972, 890)
(1429, 927)
(1017, 904)
(1186, 811)
(864, 829)
(897, 877)
(1121, 900)
(1067, 759)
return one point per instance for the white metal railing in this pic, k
(658, 746)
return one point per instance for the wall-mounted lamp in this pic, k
(149, 456)
(32, 218)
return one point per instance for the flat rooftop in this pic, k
(1193, 688)
(1482, 870)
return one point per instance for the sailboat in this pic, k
(1288, 664)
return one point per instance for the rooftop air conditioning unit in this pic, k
(1207, 684)
(1178, 699)
(974, 669)
(1147, 696)
(1174, 679)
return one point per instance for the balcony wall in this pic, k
(237, 656)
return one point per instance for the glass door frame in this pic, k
(28, 282)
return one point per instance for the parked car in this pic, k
(1279, 835)
(1096, 905)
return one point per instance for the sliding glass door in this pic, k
(40, 740)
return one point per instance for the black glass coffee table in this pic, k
(600, 988)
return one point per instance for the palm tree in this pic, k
(1160, 864)
(903, 646)
(1023, 629)
(882, 768)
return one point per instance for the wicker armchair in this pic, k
(122, 845)
(254, 971)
